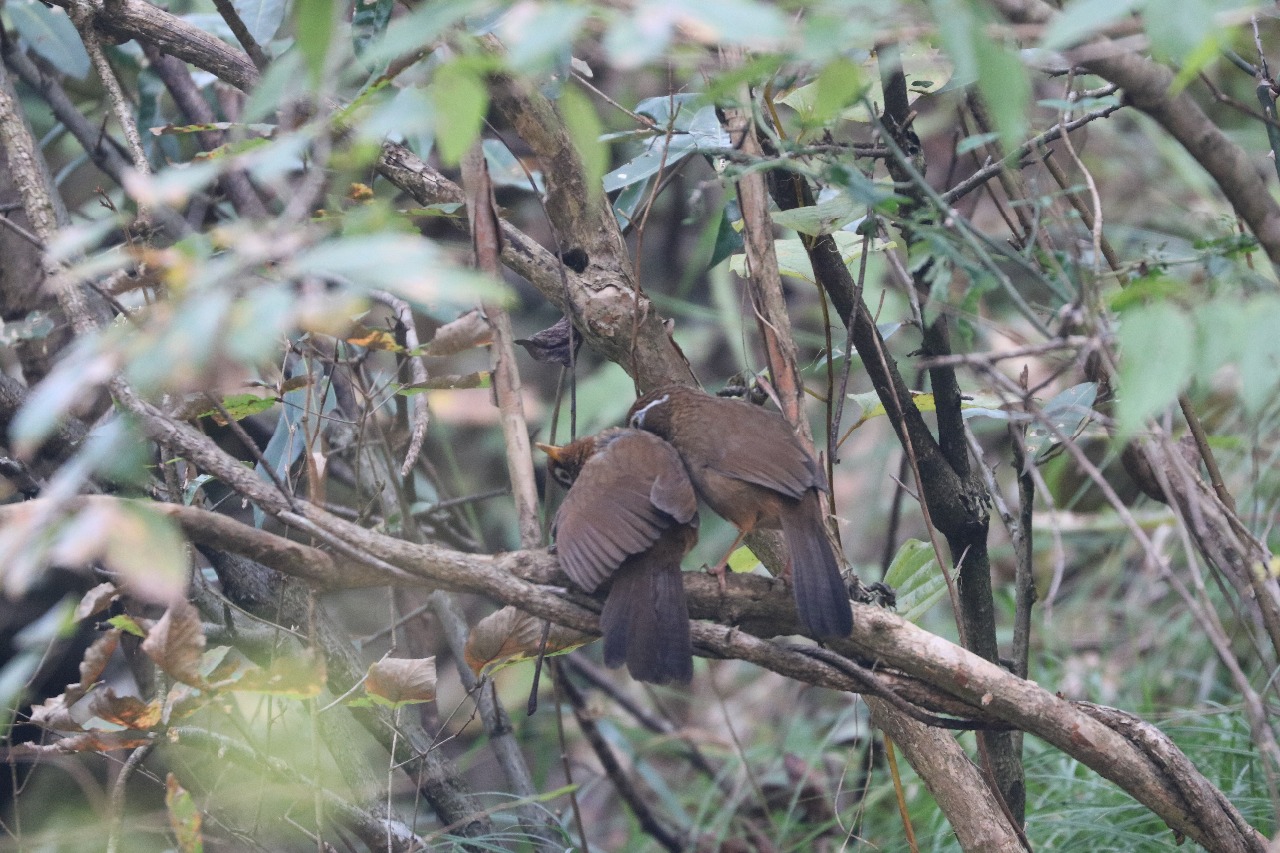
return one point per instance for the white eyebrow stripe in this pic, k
(637, 420)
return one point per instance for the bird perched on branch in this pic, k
(629, 517)
(748, 464)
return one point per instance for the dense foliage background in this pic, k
(272, 539)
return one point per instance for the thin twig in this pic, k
(83, 15)
(622, 783)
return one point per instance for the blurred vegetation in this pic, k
(245, 264)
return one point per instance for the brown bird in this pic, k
(750, 467)
(630, 515)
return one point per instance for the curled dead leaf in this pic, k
(401, 681)
(176, 643)
(127, 711)
(510, 635)
(96, 601)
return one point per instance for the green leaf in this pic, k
(660, 154)
(728, 238)
(822, 218)
(793, 260)
(1069, 411)
(50, 33)
(369, 23)
(461, 100)
(408, 265)
(416, 31)
(239, 407)
(506, 170)
(538, 35)
(261, 17)
(743, 22)
(915, 577)
(1156, 360)
(839, 84)
(47, 406)
(1005, 87)
(585, 128)
(1080, 19)
(127, 624)
(1002, 80)
(314, 24)
(1260, 353)
(743, 560)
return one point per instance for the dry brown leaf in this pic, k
(510, 635)
(96, 600)
(176, 643)
(128, 711)
(102, 741)
(469, 330)
(95, 660)
(54, 714)
(400, 681)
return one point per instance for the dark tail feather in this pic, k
(645, 621)
(822, 599)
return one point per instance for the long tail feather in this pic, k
(645, 621)
(822, 599)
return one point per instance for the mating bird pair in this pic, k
(631, 515)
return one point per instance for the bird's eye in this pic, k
(562, 476)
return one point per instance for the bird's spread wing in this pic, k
(627, 494)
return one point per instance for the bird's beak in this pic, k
(553, 452)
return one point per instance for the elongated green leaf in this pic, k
(369, 23)
(261, 17)
(1082, 18)
(51, 34)
(461, 99)
(584, 127)
(822, 218)
(915, 577)
(314, 23)
(1068, 410)
(1156, 360)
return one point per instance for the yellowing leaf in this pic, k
(743, 560)
(298, 677)
(184, 816)
(479, 379)
(239, 407)
(379, 339)
(128, 712)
